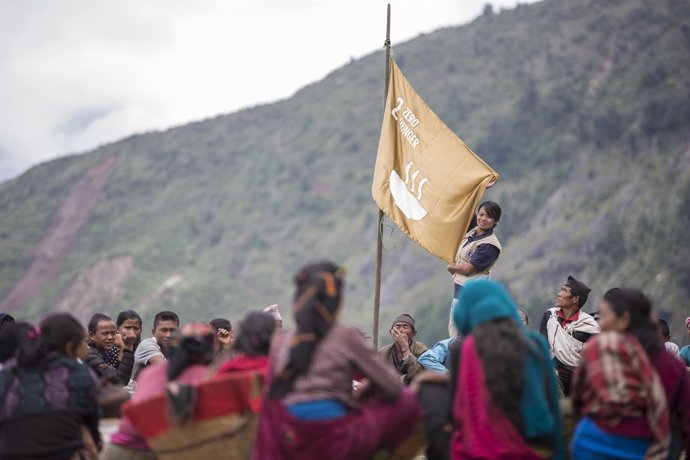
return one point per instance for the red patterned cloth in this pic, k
(243, 363)
(615, 382)
(357, 435)
(215, 398)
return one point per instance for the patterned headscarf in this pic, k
(317, 301)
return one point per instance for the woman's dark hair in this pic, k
(492, 209)
(502, 349)
(665, 331)
(10, 338)
(6, 320)
(255, 333)
(95, 319)
(639, 308)
(127, 315)
(55, 332)
(195, 347)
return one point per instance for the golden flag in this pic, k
(426, 179)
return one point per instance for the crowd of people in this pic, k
(586, 386)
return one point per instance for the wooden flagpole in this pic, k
(379, 238)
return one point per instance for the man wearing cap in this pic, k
(567, 328)
(402, 354)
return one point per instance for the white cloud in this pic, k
(75, 74)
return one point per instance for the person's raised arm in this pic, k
(384, 381)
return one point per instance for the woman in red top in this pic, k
(252, 345)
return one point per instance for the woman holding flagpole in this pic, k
(477, 254)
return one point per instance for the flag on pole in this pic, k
(426, 179)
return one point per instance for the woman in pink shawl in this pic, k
(505, 402)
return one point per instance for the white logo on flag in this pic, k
(404, 198)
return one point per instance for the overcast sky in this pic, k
(76, 74)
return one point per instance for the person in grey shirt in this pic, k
(150, 351)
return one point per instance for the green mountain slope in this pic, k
(581, 106)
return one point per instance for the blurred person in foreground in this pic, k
(274, 311)
(49, 405)
(6, 320)
(505, 399)
(617, 389)
(252, 345)
(187, 363)
(310, 410)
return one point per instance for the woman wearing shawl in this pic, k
(188, 362)
(49, 400)
(617, 388)
(310, 411)
(505, 404)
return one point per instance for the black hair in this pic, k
(255, 333)
(665, 331)
(95, 319)
(10, 338)
(56, 331)
(220, 323)
(492, 209)
(639, 308)
(127, 315)
(502, 348)
(196, 348)
(6, 320)
(581, 299)
(165, 316)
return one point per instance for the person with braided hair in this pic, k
(310, 410)
(191, 350)
(48, 399)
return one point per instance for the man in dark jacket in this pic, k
(110, 354)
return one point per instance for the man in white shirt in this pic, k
(150, 351)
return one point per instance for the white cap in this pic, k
(273, 310)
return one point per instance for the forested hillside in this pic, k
(580, 105)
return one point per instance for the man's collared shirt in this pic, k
(563, 321)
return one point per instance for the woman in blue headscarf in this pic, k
(505, 404)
